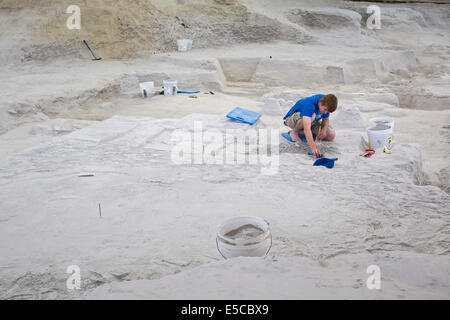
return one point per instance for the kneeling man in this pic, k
(310, 116)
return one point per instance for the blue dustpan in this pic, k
(243, 115)
(326, 162)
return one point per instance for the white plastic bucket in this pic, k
(170, 88)
(382, 120)
(258, 246)
(147, 89)
(184, 44)
(379, 136)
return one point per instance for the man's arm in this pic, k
(309, 136)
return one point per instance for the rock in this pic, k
(348, 117)
(325, 18)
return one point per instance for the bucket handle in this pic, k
(217, 244)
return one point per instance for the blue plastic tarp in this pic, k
(187, 91)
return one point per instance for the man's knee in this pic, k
(331, 134)
(299, 123)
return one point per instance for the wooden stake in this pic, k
(100, 210)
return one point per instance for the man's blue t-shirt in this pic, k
(307, 107)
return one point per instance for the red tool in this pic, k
(369, 153)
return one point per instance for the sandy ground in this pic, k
(140, 188)
(295, 278)
(156, 235)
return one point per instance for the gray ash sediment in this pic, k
(245, 232)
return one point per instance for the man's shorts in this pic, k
(291, 121)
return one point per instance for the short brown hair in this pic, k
(330, 101)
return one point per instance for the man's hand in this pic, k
(309, 136)
(316, 152)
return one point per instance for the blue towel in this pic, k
(288, 137)
(244, 115)
(187, 91)
(327, 162)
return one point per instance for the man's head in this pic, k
(328, 103)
